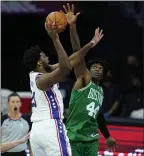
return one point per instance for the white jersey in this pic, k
(45, 104)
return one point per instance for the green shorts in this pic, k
(84, 148)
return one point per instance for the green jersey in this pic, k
(83, 110)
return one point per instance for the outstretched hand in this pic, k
(69, 12)
(97, 37)
(52, 29)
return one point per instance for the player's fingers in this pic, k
(77, 14)
(72, 8)
(117, 145)
(62, 11)
(68, 6)
(60, 27)
(101, 36)
(96, 31)
(65, 8)
(113, 149)
(47, 25)
(53, 26)
(53, 23)
(101, 32)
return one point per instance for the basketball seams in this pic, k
(60, 19)
(49, 19)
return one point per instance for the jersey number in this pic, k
(92, 111)
(33, 100)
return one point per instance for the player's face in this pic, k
(44, 58)
(97, 71)
(45, 61)
(14, 101)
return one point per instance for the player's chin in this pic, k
(96, 76)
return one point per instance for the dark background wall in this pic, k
(19, 32)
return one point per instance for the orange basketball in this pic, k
(58, 18)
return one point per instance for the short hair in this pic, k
(100, 61)
(13, 94)
(31, 57)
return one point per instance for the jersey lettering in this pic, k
(95, 95)
(33, 100)
(33, 96)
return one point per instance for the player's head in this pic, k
(98, 69)
(35, 59)
(14, 102)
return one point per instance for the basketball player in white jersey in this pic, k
(48, 134)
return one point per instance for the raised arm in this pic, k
(75, 41)
(78, 58)
(71, 19)
(64, 69)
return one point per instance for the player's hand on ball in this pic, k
(111, 143)
(97, 37)
(52, 30)
(69, 12)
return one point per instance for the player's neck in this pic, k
(41, 70)
(14, 114)
(96, 81)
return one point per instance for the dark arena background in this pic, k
(22, 26)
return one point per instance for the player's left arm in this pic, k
(110, 142)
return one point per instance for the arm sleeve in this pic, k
(102, 125)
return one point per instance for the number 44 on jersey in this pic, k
(92, 111)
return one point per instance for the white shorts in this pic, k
(48, 138)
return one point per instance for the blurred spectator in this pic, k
(14, 127)
(111, 101)
(132, 99)
(133, 74)
(132, 61)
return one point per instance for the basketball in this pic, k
(59, 19)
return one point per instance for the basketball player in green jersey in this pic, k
(86, 99)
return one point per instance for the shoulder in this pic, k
(35, 75)
(83, 81)
(27, 117)
(3, 118)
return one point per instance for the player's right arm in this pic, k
(48, 79)
(8, 146)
